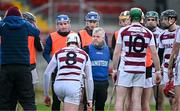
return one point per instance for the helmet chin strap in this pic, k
(170, 24)
(167, 27)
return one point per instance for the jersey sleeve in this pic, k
(90, 88)
(178, 36)
(152, 42)
(119, 38)
(47, 74)
(160, 45)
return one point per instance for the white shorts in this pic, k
(130, 80)
(165, 78)
(68, 91)
(148, 83)
(177, 75)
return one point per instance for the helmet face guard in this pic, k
(165, 22)
(92, 24)
(92, 20)
(124, 15)
(152, 20)
(168, 14)
(63, 23)
(124, 18)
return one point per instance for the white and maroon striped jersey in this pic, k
(71, 62)
(178, 41)
(178, 35)
(166, 40)
(135, 39)
(156, 34)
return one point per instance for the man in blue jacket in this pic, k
(15, 75)
(100, 55)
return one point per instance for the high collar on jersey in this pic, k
(135, 23)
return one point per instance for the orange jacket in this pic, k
(148, 58)
(58, 42)
(32, 50)
(86, 39)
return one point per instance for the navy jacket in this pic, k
(14, 32)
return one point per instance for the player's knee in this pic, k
(178, 101)
(160, 100)
(145, 107)
(136, 100)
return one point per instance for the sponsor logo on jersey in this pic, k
(99, 63)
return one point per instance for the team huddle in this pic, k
(144, 53)
(137, 46)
